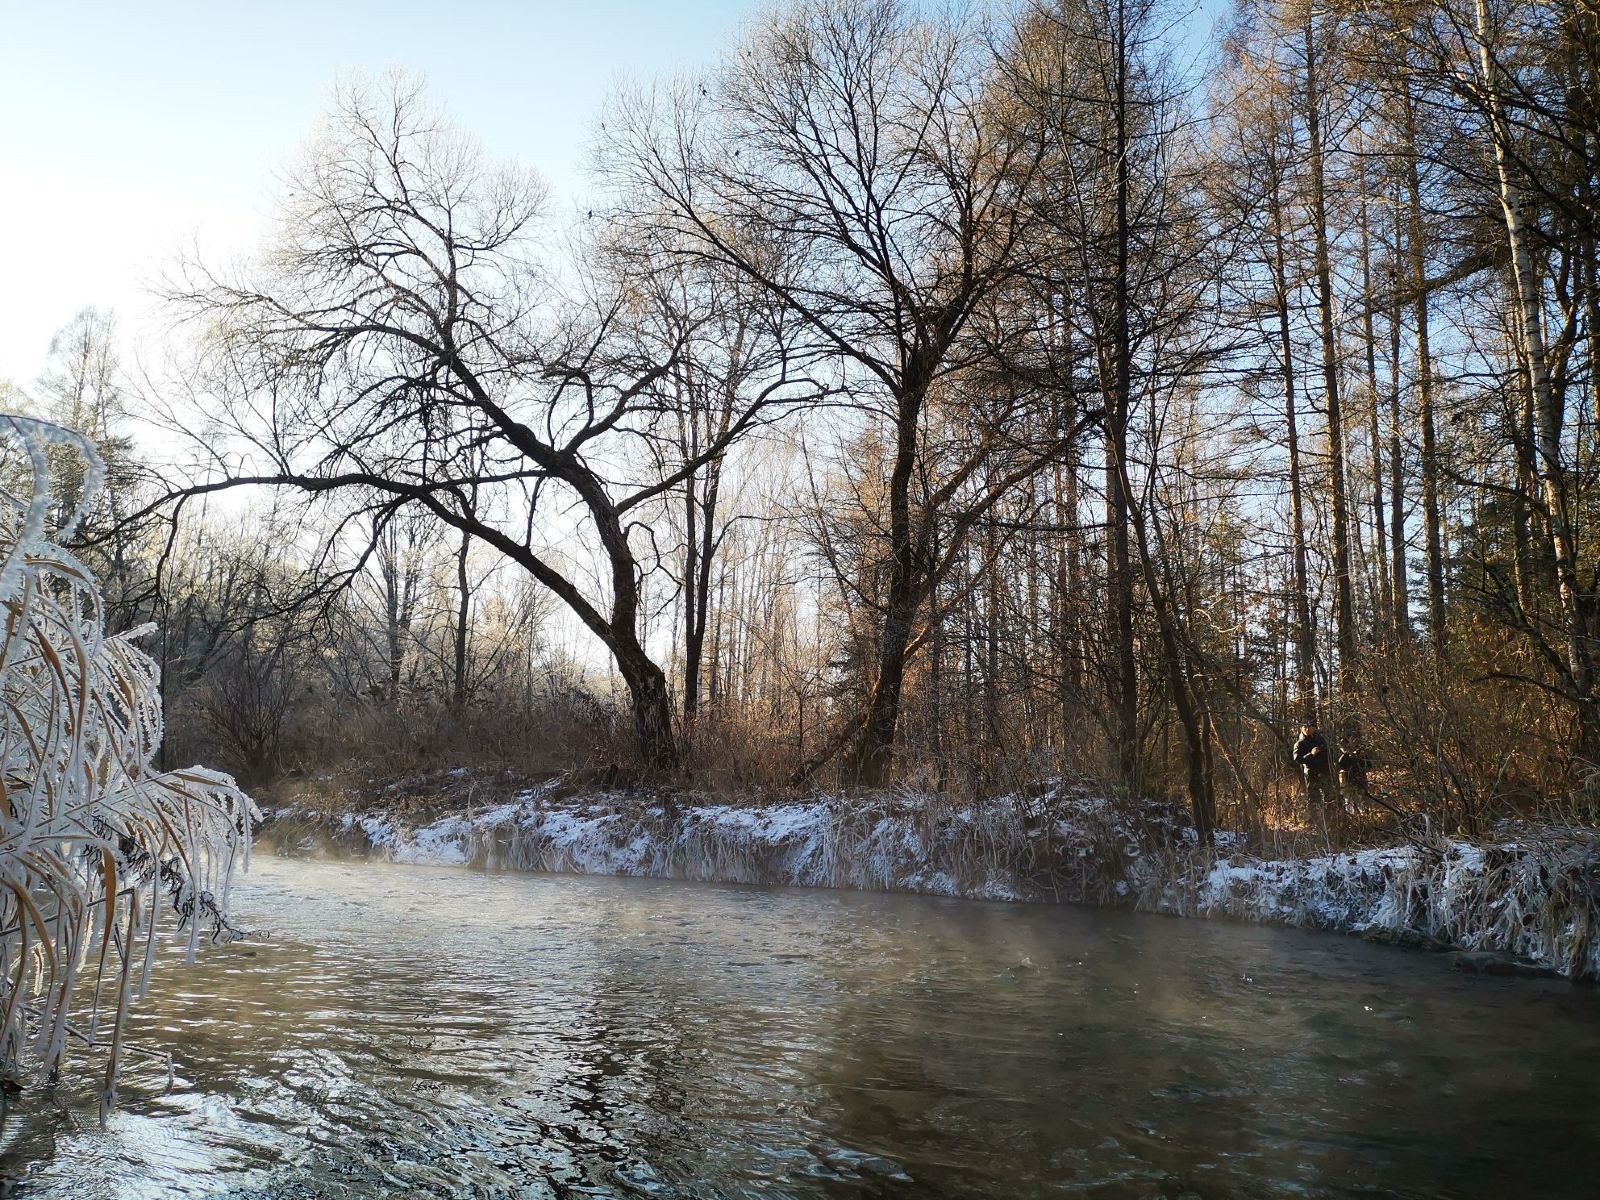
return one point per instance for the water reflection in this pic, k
(438, 1032)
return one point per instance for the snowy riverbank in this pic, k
(1532, 900)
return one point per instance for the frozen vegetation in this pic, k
(1530, 901)
(95, 841)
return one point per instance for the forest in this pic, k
(948, 400)
(1118, 459)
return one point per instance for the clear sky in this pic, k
(129, 126)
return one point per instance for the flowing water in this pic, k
(439, 1032)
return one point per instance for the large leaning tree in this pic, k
(406, 342)
(844, 160)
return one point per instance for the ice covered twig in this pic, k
(92, 834)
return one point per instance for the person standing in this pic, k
(1311, 756)
(1353, 764)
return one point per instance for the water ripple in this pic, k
(423, 1032)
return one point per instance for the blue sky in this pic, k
(126, 128)
(129, 128)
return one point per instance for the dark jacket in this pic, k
(1311, 755)
(1353, 769)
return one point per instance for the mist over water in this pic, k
(426, 1031)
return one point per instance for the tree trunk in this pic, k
(691, 609)
(1343, 594)
(1125, 686)
(1305, 643)
(1531, 567)
(463, 614)
(392, 631)
(652, 707)
(871, 758)
(1374, 434)
(1432, 520)
(1124, 693)
(1399, 569)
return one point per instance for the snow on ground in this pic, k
(1535, 899)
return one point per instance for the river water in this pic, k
(413, 1031)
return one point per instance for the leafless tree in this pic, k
(403, 340)
(842, 159)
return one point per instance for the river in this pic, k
(441, 1032)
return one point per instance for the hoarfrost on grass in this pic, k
(1535, 897)
(93, 838)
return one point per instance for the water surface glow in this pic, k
(438, 1032)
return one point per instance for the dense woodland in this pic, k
(954, 401)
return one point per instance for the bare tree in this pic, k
(402, 341)
(841, 160)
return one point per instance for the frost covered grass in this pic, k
(1533, 898)
(1059, 845)
(93, 838)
